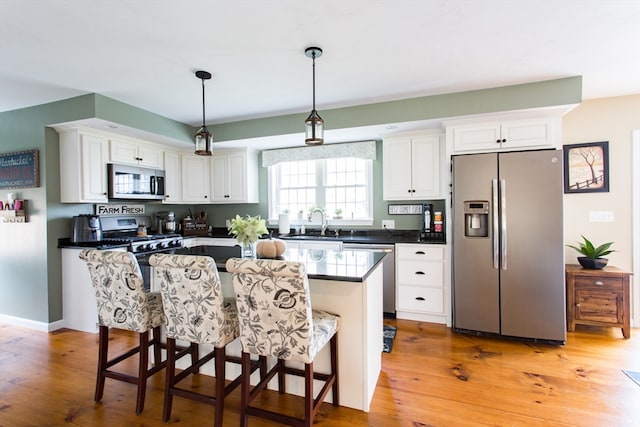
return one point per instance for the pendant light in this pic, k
(204, 139)
(314, 124)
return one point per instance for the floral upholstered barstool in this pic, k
(123, 304)
(196, 312)
(276, 320)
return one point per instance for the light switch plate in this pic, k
(388, 224)
(600, 216)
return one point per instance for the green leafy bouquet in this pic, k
(248, 229)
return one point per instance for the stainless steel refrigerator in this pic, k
(508, 245)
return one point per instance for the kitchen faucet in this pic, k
(325, 224)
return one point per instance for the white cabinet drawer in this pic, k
(415, 298)
(420, 273)
(420, 252)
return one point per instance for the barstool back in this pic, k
(274, 306)
(194, 306)
(119, 289)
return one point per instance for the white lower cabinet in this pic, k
(421, 283)
(79, 310)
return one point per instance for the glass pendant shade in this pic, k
(314, 126)
(204, 142)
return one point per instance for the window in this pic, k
(341, 186)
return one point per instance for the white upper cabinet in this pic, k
(172, 177)
(234, 176)
(195, 178)
(503, 134)
(83, 167)
(132, 152)
(411, 166)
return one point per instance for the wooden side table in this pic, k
(598, 297)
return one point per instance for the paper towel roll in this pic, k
(283, 224)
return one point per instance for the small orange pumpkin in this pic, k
(270, 248)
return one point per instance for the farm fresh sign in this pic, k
(119, 209)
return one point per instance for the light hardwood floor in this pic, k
(433, 377)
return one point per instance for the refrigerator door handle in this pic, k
(503, 223)
(494, 185)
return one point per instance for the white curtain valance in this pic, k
(361, 150)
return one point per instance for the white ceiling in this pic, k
(145, 52)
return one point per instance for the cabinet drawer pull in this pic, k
(598, 283)
(420, 253)
(420, 273)
(420, 299)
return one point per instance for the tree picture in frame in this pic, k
(586, 167)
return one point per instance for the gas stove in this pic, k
(125, 230)
(155, 243)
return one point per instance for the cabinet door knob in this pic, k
(504, 139)
(598, 283)
(578, 305)
(497, 141)
(420, 299)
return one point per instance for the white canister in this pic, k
(284, 226)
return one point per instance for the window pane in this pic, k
(344, 185)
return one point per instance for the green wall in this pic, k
(30, 264)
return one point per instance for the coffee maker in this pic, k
(86, 228)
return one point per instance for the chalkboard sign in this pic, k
(19, 169)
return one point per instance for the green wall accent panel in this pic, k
(127, 115)
(548, 93)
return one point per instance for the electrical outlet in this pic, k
(388, 224)
(228, 223)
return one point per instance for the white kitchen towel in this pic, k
(283, 224)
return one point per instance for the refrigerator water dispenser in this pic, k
(476, 218)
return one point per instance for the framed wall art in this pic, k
(586, 167)
(20, 169)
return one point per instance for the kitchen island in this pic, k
(347, 283)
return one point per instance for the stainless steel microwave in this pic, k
(133, 182)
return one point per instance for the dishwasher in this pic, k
(389, 273)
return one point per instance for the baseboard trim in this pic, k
(31, 324)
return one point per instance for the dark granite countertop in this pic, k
(345, 265)
(383, 237)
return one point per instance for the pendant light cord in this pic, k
(313, 57)
(203, 122)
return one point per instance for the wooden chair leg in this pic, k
(103, 350)
(169, 379)
(245, 388)
(308, 394)
(143, 367)
(220, 356)
(263, 366)
(195, 355)
(157, 349)
(281, 377)
(334, 369)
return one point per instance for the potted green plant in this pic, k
(593, 255)
(247, 231)
(338, 214)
